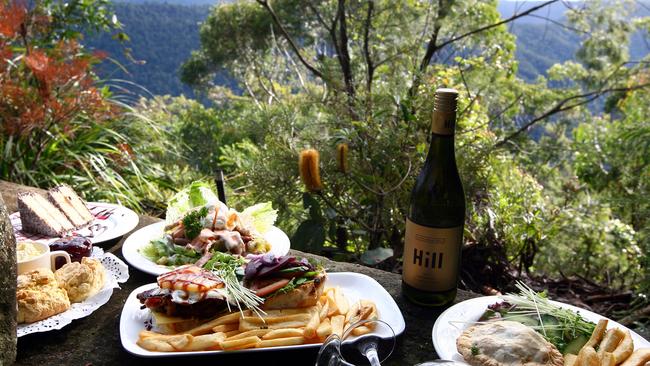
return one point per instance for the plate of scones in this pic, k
(51, 297)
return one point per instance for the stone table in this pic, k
(95, 340)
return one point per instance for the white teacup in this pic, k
(32, 255)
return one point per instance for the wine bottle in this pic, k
(436, 215)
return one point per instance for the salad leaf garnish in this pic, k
(558, 325)
(229, 268)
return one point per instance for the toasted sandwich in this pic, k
(284, 282)
(184, 298)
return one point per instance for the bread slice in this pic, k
(301, 297)
(39, 216)
(74, 208)
(166, 324)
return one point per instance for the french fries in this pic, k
(180, 342)
(609, 348)
(597, 334)
(338, 322)
(324, 329)
(624, 349)
(611, 340)
(332, 314)
(283, 333)
(638, 358)
(570, 359)
(241, 343)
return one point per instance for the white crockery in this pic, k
(46, 259)
(131, 249)
(451, 323)
(355, 287)
(111, 222)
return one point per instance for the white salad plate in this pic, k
(111, 222)
(355, 286)
(131, 249)
(453, 321)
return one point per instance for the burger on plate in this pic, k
(184, 298)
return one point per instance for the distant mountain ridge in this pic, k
(164, 33)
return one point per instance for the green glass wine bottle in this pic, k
(436, 215)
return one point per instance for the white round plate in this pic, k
(131, 249)
(111, 221)
(451, 323)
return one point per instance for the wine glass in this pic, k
(376, 346)
(440, 363)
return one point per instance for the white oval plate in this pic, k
(111, 221)
(131, 249)
(355, 286)
(451, 323)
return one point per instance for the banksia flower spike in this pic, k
(342, 157)
(309, 167)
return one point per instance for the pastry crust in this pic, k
(81, 280)
(39, 296)
(506, 343)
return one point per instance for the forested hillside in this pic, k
(163, 34)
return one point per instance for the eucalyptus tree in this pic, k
(321, 73)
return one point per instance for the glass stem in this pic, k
(373, 357)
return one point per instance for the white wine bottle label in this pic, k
(431, 257)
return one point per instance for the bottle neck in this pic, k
(441, 148)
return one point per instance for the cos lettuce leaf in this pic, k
(262, 216)
(195, 195)
(160, 252)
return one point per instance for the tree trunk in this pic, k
(8, 307)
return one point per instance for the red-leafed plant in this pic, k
(58, 123)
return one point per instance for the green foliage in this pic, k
(59, 126)
(552, 197)
(197, 130)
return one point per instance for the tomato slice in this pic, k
(269, 289)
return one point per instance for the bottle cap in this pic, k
(444, 111)
(445, 100)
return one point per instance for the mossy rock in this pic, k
(7, 288)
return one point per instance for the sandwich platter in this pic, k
(111, 221)
(453, 321)
(279, 241)
(355, 286)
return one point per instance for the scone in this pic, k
(506, 343)
(81, 280)
(39, 296)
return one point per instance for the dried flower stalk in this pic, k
(308, 163)
(342, 157)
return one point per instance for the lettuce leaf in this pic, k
(196, 194)
(262, 216)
